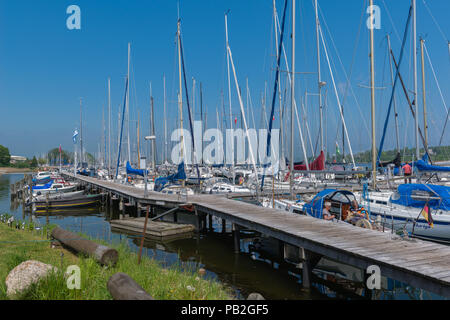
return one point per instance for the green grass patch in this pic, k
(174, 283)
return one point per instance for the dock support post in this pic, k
(143, 234)
(210, 222)
(281, 249)
(237, 242)
(309, 263)
(121, 208)
(224, 226)
(175, 217)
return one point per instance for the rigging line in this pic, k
(354, 52)
(440, 92)
(288, 74)
(241, 104)
(189, 108)
(435, 21)
(343, 69)
(392, 23)
(337, 96)
(305, 118)
(397, 77)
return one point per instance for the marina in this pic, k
(297, 171)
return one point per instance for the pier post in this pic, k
(281, 249)
(224, 226)
(121, 207)
(175, 217)
(210, 222)
(198, 221)
(309, 263)
(236, 237)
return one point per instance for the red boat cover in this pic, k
(317, 165)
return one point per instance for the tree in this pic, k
(5, 157)
(53, 156)
(34, 163)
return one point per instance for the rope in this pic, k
(440, 92)
(337, 96)
(435, 22)
(343, 69)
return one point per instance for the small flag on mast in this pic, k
(338, 152)
(59, 148)
(427, 215)
(75, 135)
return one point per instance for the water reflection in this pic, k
(258, 268)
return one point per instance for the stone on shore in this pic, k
(26, 274)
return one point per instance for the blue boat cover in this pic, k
(42, 181)
(162, 182)
(424, 165)
(45, 186)
(84, 172)
(314, 208)
(417, 196)
(138, 172)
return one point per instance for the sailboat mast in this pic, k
(109, 125)
(319, 76)
(180, 92)
(415, 77)
(425, 123)
(201, 116)
(103, 144)
(229, 95)
(153, 134)
(291, 167)
(372, 96)
(128, 105)
(397, 135)
(138, 140)
(275, 15)
(165, 120)
(81, 133)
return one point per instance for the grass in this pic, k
(174, 283)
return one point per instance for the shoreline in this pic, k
(174, 283)
(10, 170)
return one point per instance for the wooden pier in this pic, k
(418, 263)
(156, 230)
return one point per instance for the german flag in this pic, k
(427, 215)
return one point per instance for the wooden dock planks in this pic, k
(156, 229)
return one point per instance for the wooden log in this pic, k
(123, 287)
(102, 254)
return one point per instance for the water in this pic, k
(255, 269)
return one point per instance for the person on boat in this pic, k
(407, 171)
(356, 213)
(326, 212)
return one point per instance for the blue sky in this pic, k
(45, 68)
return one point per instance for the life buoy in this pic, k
(129, 179)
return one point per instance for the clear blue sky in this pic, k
(45, 68)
